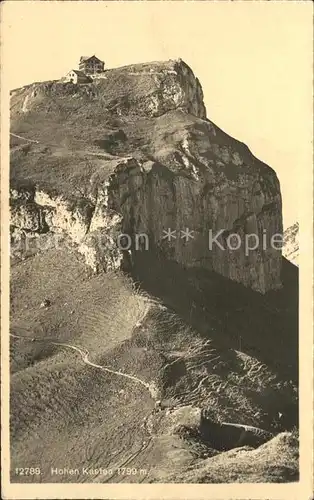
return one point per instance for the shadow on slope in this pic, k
(265, 326)
(261, 326)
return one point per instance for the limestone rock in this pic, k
(65, 215)
(25, 216)
(101, 252)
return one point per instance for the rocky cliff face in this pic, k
(133, 154)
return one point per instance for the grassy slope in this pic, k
(274, 460)
(64, 413)
(109, 116)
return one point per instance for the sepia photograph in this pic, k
(159, 212)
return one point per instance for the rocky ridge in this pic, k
(133, 153)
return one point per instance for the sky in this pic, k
(253, 59)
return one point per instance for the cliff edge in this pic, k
(134, 154)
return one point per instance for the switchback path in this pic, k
(84, 353)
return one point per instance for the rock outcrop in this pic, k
(130, 163)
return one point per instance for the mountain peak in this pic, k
(138, 137)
